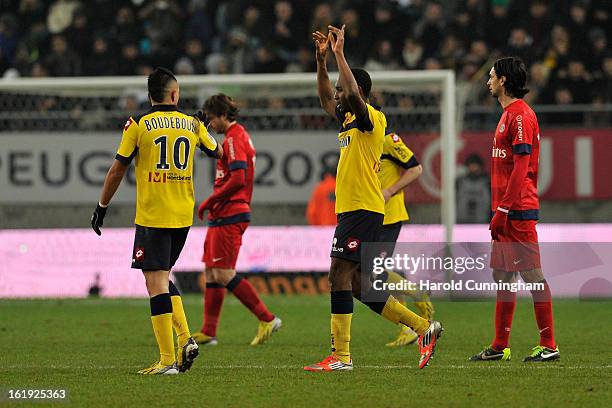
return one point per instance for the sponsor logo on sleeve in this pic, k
(127, 124)
(519, 127)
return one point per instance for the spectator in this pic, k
(101, 61)
(39, 71)
(260, 36)
(321, 209)
(30, 12)
(432, 64)
(382, 58)
(126, 29)
(184, 66)
(430, 29)
(322, 17)
(80, 34)
(412, 53)
(473, 193)
(22, 61)
(303, 61)
(266, 60)
(497, 25)
(200, 25)
(520, 44)
(538, 25)
(194, 53)
(451, 52)
(60, 15)
(578, 25)
(162, 22)
(565, 116)
(385, 25)
(286, 30)
(598, 44)
(558, 51)
(538, 84)
(603, 80)
(62, 61)
(467, 24)
(8, 37)
(577, 81)
(128, 60)
(600, 12)
(477, 54)
(217, 64)
(356, 46)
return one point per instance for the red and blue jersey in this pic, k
(238, 156)
(517, 133)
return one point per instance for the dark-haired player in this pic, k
(229, 214)
(514, 201)
(163, 142)
(359, 204)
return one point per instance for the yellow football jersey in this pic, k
(357, 183)
(163, 141)
(396, 156)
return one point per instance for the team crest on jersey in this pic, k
(502, 128)
(395, 138)
(127, 124)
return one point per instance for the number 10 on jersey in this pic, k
(181, 147)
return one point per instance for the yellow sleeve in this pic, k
(377, 118)
(399, 152)
(129, 142)
(206, 142)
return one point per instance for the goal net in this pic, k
(61, 133)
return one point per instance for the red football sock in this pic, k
(542, 306)
(504, 312)
(213, 301)
(245, 292)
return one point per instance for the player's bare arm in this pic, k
(324, 87)
(112, 181)
(408, 177)
(346, 79)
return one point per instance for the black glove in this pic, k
(202, 117)
(97, 218)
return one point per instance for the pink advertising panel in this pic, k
(65, 262)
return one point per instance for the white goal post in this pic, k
(294, 84)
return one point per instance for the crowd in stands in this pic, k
(564, 42)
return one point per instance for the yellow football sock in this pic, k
(179, 320)
(395, 312)
(341, 336)
(394, 277)
(162, 327)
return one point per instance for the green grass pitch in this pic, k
(94, 347)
